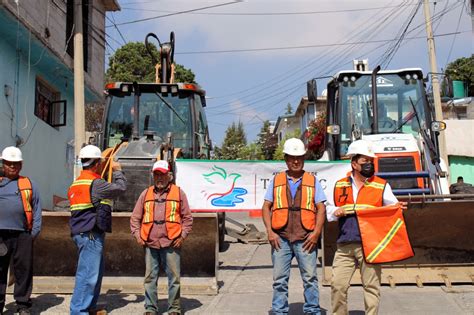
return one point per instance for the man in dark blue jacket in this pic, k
(91, 218)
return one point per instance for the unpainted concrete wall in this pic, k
(39, 15)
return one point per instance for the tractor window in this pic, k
(158, 115)
(396, 97)
(202, 130)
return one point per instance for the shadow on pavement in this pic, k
(297, 309)
(45, 301)
(116, 300)
(190, 304)
(41, 304)
(186, 305)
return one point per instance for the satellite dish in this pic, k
(312, 89)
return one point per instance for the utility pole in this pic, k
(434, 80)
(79, 112)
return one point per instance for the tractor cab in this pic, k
(400, 107)
(389, 108)
(155, 112)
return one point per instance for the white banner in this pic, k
(214, 185)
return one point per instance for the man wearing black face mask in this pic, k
(358, 190)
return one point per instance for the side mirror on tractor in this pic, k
(312, 90)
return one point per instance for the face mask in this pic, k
(367, 169)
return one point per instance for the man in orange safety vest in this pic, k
(161, 221)
(293, 213)
(360, 189)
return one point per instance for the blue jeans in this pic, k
(281, 260)
(90, 268)
(170, 260)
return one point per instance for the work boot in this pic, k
(174, 313)
(98, 312)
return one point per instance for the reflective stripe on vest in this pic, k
(370, 194)
(384, 234)
(281, 206)
(26, 192)
(108, 202)
(172, 213)
(79, 193)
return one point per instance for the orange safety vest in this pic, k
(26, 192)
(79, 193)
(172, 215)
(370, 195)
(384, 234)
(281, 206)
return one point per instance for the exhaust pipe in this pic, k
(375, 125)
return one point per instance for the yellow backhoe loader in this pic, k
(142, 123)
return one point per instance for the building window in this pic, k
(70, 29)
(48, 106)
(311, 115)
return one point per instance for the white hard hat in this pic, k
(161, 166)
(294, 147)
(362, 147)
(11, 154)
(90, 152)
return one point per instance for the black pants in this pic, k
(20, 250)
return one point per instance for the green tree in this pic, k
(266, 142)
(249, 152)
(132, 62)
(462, 69)
(278, 155)
(234, 142)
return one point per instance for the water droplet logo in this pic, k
(231, 195)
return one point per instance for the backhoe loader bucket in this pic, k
(440, 234)
(55, 254)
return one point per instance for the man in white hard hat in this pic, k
(359, 189)
(161, 221)
(91, 217)
(20, 224)
(293, 213)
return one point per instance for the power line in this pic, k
(434, 18)
(266, 13)
(116, 27)
(299, 47)
(179, 12)
(454, 38)
(334, 59)
(268, 96)
(294, 71)
(391, 52)
(336, 62)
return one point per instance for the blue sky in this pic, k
(286, 43)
